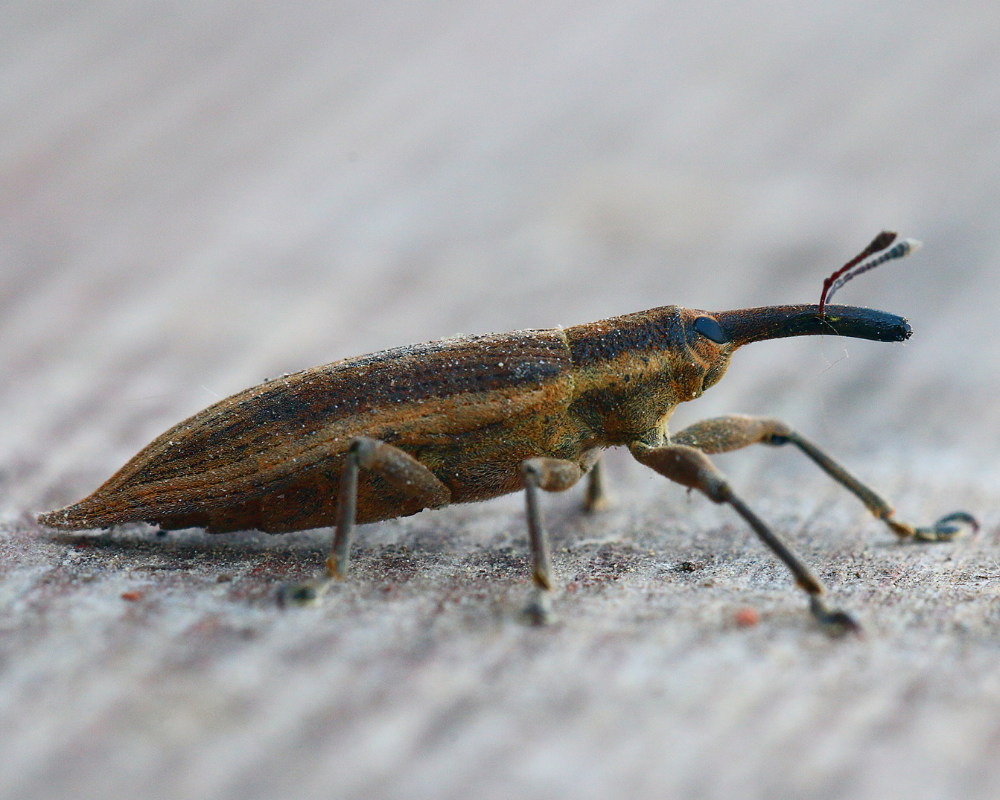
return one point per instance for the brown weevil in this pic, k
(473, 417)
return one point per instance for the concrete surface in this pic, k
(195, 196)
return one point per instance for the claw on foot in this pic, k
(836, 623)
(948, 527)
(593, 505)
(302, 594)
(539, 610)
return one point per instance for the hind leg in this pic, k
(397, 467)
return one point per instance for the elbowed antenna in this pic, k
(745, 325)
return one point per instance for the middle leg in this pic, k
(597, 497)
(552, 475)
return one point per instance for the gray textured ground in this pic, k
(196, 196)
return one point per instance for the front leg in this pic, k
(690, 467)
(723, 434)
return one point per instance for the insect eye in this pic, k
(710, 329)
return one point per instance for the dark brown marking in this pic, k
(656, 330)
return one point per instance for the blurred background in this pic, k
(196, 196)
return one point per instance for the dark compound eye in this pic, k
(710, 329)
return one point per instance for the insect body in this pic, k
(470, 418)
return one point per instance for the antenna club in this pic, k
(858, 265)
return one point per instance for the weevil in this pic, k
(474, 417)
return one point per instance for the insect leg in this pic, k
(597, 498)
(722, 434)
(552, 475)
(398, 468)
(690, 467)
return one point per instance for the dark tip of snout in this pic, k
(746, 325)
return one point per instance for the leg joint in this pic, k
(364, 449)
(550, 474)
(687, 466)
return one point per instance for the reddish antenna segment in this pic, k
(853, 267)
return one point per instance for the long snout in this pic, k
(746, 325)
